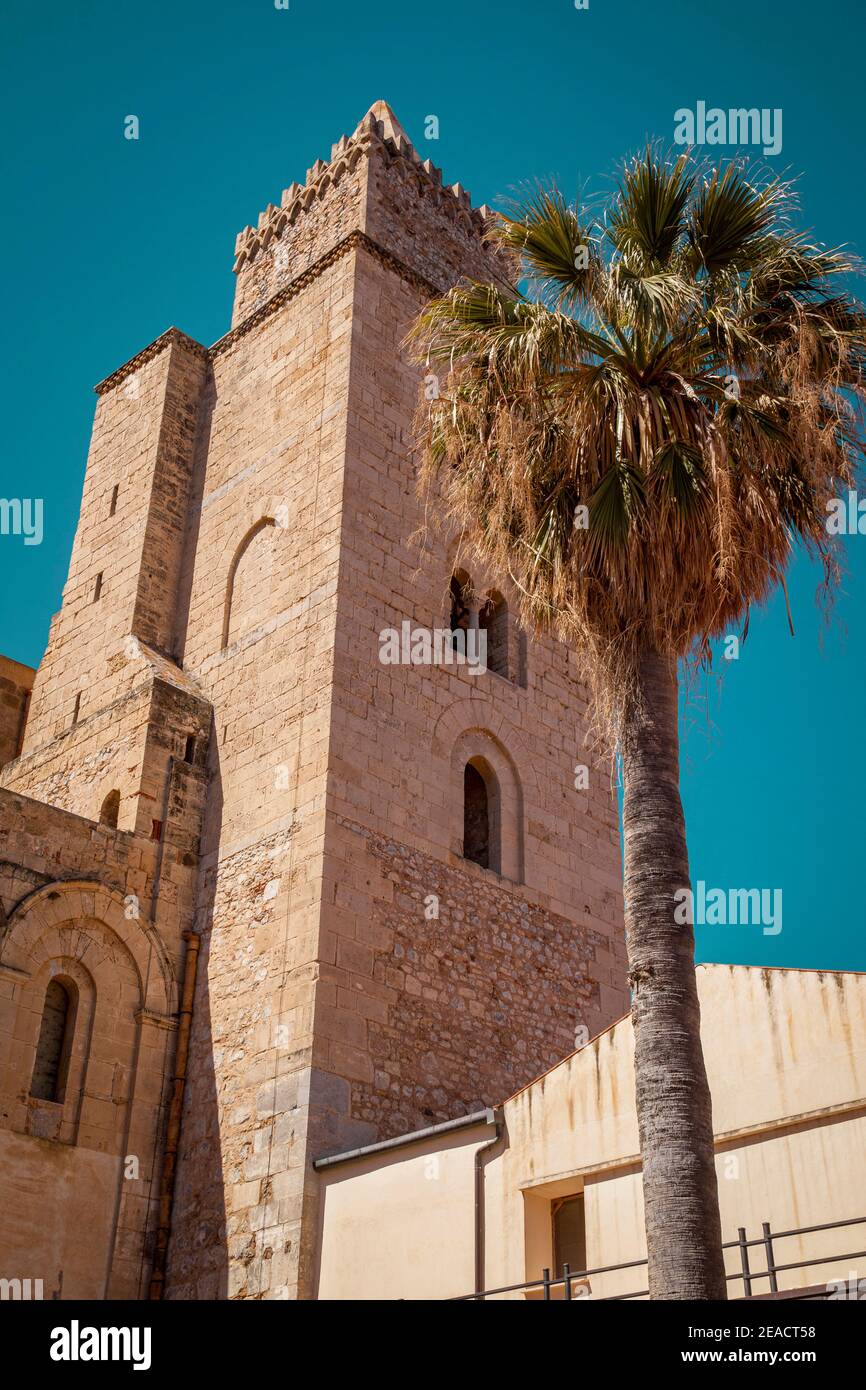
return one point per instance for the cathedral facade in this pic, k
(264, 895)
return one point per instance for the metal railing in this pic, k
(766, 1239)
(575, 1279)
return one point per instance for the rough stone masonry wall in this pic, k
(472, 1002)
(428, 227)
(39, 843)
(123, 746)
(79, 767)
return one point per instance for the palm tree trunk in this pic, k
(673, 1098)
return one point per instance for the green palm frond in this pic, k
(552, 535)
(616, 507)
(553, 245)
(650, 303)
(483, 323)
(731, 220)
(681, 476)
(646, 222)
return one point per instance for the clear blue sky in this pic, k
(108, 241)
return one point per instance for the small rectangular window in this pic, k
(113, 508)
(189, 751)
(569, 1234)
(97, 588)
(156, 831)
(77, 708)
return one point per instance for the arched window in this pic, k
(481, 815)
(110, 810)
(493, 619)
(55, 1042)
(486, 817)
(250, 580)
(476, 818)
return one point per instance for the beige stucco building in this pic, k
(484, 1206)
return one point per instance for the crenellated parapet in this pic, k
(375, 183)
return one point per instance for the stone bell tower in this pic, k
(362, 976)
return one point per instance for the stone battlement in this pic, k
(399, 211)
(379, 130)
(376, 184)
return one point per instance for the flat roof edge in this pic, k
(478, 1117)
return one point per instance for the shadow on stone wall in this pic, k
(198, 1247)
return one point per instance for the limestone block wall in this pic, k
(430, 227)
(309, 222)
(30, 858)
(126, 558)
(98, 754)
(126, 746)
(433, 1018)
(260, 644)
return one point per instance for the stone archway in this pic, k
(97, 1142)
(475, 730)
(69, 900)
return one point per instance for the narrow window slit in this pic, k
(55, 1043)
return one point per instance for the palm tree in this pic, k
(640, 421)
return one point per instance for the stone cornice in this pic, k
(356, 240)
(171, 335)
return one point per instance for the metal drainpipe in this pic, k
(479, 1199)
(172, 1132)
